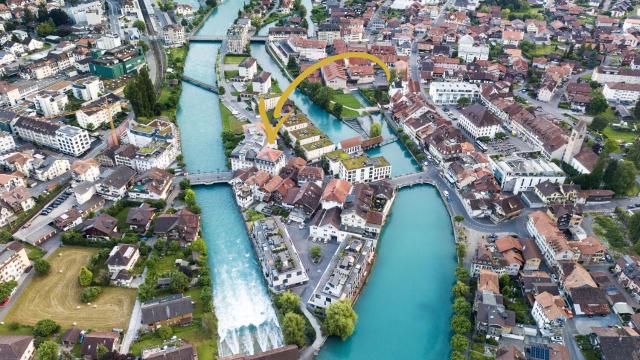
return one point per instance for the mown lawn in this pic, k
(234, 59)
(619, 136)
(230, 122)
(347, 100)
(230, 74)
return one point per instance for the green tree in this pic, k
(45, 328)
(147, 291)
(165, 332)
(459, 343)
(316, 253)
(636, 111)
(6, 288)
(189, 197)
(461, 306)
(622, 178)
(597, 105)
(90, 293)
(376, 129)
(141, 94)
(293, 329)
(179, 282)
(633, 153)
(340, 319)
(460, 289)
(48, 350)
(610, 146)
(59, 17)
(101, 351)
(85, 277)
(458, 218)
(139, 24)
(198, 245)
(42, 266)
(46, 28)
(337, 110)
(462, 274)
(5, 237)
(460, 324)
(288, 301)
(599, 123)
(457, 356)
(209, 323)
(463, 101)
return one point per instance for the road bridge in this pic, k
(221, 38)
(407, 180)
(210, 178)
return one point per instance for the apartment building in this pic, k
(611, 74)
(94, 113)
(550, 240)
(88, 89)
(173, 35)
(7, 143)
(51, 103)
(363, 169)
(621, 93)
(238, 37)
(448, 93)
(309, 49)
(516, 174)
(64, 138)
(13, 261)
(479, 122)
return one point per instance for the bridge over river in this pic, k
(223, 177)
(221, 38)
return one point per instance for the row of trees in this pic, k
(142, 95)
(460, 323)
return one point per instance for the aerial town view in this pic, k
(320, 179)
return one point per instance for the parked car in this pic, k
(557, 339)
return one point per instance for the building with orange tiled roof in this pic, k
(550, 310)
(335, 193)
(550, 240)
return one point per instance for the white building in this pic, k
(468, 51)
(51, 168)
(95, 113)
(270, 160)
(309, 49)
(86, 13)
(479, 122)
(261, 82)
(363, 169)
(85, 170)
(448, 93)
(238, 37)
(622, 93)
(72, 140)
(549, 311)
(122, 257)
(7, 143)
(141, 135)
(51, 104)
(609, 74)
(108, 42)
(88, 89)
(549, 239)
(13, 261)
(64, 138)
(516, 174)
(248, 68)
(173, 35)
(325, 226)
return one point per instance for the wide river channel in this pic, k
(405, 308)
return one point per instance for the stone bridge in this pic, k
(412, 179)
(221, 38)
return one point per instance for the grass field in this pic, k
(619, 136)
(57, 297)
(230, 122)
(234, 59)
(347, 100)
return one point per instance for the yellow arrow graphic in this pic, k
(272, 131)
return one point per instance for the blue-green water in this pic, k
(405, 307)
(246, 320)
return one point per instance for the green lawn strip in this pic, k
(347, 100)
(589, 352)
(167, 263)
(619, 136)
(230, 74)
(229, 121)
(234, 59)
(122, 219)
(608, 229)
(33, 252)
(15, 329)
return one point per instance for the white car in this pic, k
(445, 193)
(557, 339)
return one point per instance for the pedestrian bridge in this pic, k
(408, 180)
(203, 85)
(210, 178)
(220, 177)
(221, 38)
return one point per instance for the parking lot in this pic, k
(42, 220)
(511, 145)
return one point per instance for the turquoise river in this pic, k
(405, 308)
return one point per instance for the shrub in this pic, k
(45, 328)
(89, 294)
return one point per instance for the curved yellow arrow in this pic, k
(272, 131)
